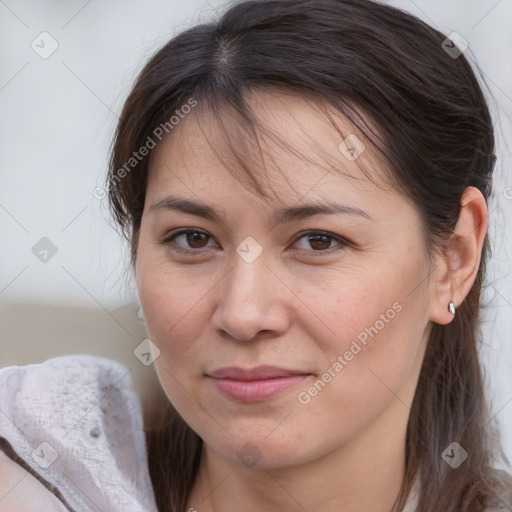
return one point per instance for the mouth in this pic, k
(255, 384)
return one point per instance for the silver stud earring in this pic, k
(451, 308)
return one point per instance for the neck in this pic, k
(364, 474)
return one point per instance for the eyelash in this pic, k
(342, 243)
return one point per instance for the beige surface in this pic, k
(32, 333)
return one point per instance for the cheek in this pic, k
(370, 370)
(369, 325)
(175, 316)
(174, 304)
(351, 303)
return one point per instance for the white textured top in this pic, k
(76, 424)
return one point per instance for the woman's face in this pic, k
(334, 302)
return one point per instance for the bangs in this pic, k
(235, 129)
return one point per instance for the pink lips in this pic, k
(256, 384)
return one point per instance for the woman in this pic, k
(304, 188)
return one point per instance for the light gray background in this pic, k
(57, 116)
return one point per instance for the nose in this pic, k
(252, 302)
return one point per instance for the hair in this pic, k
(368, 61)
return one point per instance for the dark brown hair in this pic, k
(367, 60)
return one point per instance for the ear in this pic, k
(457, 266)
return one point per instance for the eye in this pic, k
(188, 240)
(193, 240)
(320, 242)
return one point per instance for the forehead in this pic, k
(298, 146)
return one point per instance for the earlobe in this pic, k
(460, 261)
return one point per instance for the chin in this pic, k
(262, 451)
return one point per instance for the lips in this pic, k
(258, 373)
(255, 384)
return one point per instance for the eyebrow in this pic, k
(281, 215)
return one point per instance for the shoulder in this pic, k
(76, 424)
(58, 393)
(20, 491)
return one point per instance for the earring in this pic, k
(451, 308)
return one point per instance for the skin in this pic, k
(296, 307)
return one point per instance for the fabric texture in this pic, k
(78, 427)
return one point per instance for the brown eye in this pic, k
(188, 240)
(319, 242)
(196, 239)
(316, 241)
